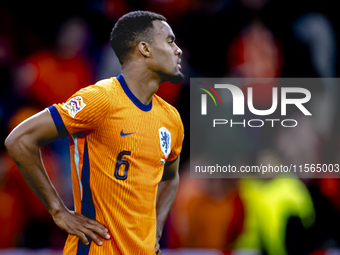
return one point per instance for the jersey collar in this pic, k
(133, 98)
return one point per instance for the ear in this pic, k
(145, 49)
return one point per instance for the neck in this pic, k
(141, 81)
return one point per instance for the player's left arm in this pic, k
(166, 194)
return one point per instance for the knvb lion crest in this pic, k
(74, 105)
(165, 140)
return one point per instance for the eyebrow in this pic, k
(171, 37)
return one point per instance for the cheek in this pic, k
(164, 52)
(163, 58)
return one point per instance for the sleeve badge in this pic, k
(74, 105)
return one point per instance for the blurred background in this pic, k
(49, 50)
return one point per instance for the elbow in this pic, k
(15, 144)
(172, 176)
(176, 179)
(10, 143)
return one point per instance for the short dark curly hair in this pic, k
(130, 29)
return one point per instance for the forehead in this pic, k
(162, 29)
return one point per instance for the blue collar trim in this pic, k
(133, 98)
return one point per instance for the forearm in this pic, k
(26, 155)
(165, 198)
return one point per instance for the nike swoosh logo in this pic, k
(126, 134)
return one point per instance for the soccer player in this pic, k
(125, 143)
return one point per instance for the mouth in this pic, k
(178, 63)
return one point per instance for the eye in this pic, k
(172, 41)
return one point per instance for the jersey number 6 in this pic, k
(120, 162)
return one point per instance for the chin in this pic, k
(176, 78)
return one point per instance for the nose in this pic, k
(178, 51)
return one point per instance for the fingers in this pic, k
(92, 236)
(97, 228)
(90, 227)
(82, 237)
(94, 226)
(81, 226)
(157, 249)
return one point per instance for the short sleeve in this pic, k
(83, 112)
(177, 147)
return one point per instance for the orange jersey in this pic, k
(118, 150)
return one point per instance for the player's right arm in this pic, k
(23, 146)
